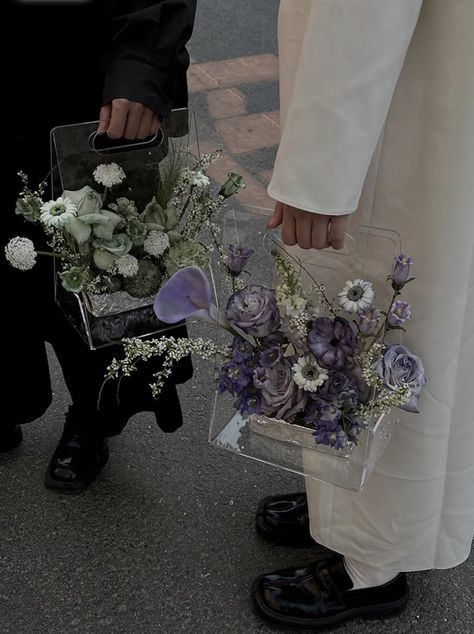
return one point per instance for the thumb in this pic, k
(277, 218)
(104, 118)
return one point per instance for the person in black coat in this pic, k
(126, 59)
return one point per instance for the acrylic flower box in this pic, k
(368, 255)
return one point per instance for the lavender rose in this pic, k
(332, 341)
(280, 396)
(399, 366)
(254, 311)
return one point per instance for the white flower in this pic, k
(293, 306)
(21, 254)
(308, 375)
(57, 213)
(156, 243)
(127, 265)
(109, 174)
(200, 180)
(355, 296)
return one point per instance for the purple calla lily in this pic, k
(186, 294)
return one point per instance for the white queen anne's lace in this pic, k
(156, 243)
(21, 254)
(109, 174)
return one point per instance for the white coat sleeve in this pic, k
(350, 60)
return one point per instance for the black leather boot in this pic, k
(284, 520)
(10, 438)
(80, 455)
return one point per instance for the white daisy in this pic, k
(308, 375)
(57, 213)
(356, 295)
(200, 180)
(127, 265)
(21, 254)
(156, 243)
(109, 174)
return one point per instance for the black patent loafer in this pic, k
(79, 457)
(284, 520)
(10, 438)
(319, 597)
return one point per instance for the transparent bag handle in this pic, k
(111, 147)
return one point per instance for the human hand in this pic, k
(308, 230)
(127, 119)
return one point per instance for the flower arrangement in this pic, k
(295, 355)
(106, 243)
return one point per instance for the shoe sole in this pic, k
(385, 610)
(270, 534)
(76, 488)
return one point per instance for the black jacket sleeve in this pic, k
(147, 59)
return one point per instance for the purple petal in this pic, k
(185, 293)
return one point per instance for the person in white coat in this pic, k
(377, 114)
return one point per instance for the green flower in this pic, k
(146, 282)
(105, 230)
(74, 279)
(125, 207)
(185, 254)
(118, 246)
(29, 207)
(158, 219)
(137, 232)
(104, 260)
(86, 199)
(232, 185)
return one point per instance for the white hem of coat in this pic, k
(304, 206)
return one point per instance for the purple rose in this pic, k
(369, 320)
(332, 341)
(336, 383)
(271, 357)
(237, 258)
(399, 314)
(254, 311)
(399, 366)
(401, 271)
(280, 395)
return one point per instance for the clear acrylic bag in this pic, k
(104, 319)
(368, 255)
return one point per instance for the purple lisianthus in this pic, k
(237, 258)
(280, 395)
(368, 320)
(399, 366)
(254, 311)
(332, 341)
(399, 314)
(401, 271)
(271, 357)
(233, 378)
